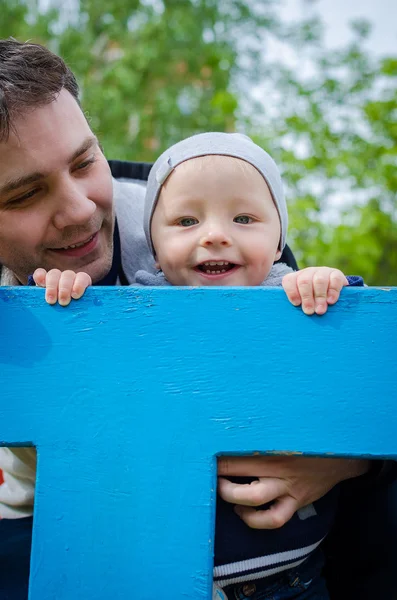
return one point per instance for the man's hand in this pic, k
(314, 288)
(290, 482)
(62, 286)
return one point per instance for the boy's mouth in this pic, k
(216, 267)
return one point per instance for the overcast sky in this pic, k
(337, 14)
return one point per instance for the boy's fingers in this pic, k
(305, 288)
(321, 280)
(52, 280)
(81, 283)
(39, 277)
(251, 494)
(336, 283)
(291, 289)
(273, 518)
(65, 287)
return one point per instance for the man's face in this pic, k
(216, 224)
(56, 197)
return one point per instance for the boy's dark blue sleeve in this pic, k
(355, 280)
(31, 281)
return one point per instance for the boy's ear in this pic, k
(278, 255)
(157, 265)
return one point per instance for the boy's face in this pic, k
(216, 224)
(55, 194)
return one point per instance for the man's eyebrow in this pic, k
(88, 143)
(18, 182)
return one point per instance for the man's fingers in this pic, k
(305, 479)
(39, 277)
(81, 283)
(291, 289)
(249, 466)
(65, 287)
(273, 518)
(287, 467)
(51, 282)
(251, 494)
(337, 281)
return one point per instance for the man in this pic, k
(57, 200)
(61, 209)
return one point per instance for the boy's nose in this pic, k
(215, 238)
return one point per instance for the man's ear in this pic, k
(157, 265)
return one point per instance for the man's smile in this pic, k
(80, 248)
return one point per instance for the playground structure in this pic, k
(130, 394)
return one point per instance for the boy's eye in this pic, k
(187, 221)
(243, 219)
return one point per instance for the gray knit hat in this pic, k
(203, 144)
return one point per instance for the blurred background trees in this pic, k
(154, 71)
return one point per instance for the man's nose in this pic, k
(73, 206)
(215, 237)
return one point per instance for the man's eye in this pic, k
(85, 164)
(22, 199)
(243, 219)
(187, 221)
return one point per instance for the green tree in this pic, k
(151, 72)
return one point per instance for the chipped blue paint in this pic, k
(129, 394)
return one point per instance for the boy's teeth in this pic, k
(216, 267)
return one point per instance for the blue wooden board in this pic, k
(129, 395)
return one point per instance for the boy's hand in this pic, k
(62, 286)
(314, 288)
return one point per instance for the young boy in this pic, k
(215, 214)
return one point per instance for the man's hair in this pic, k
(30, 76)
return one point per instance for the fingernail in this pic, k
(319, 307)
